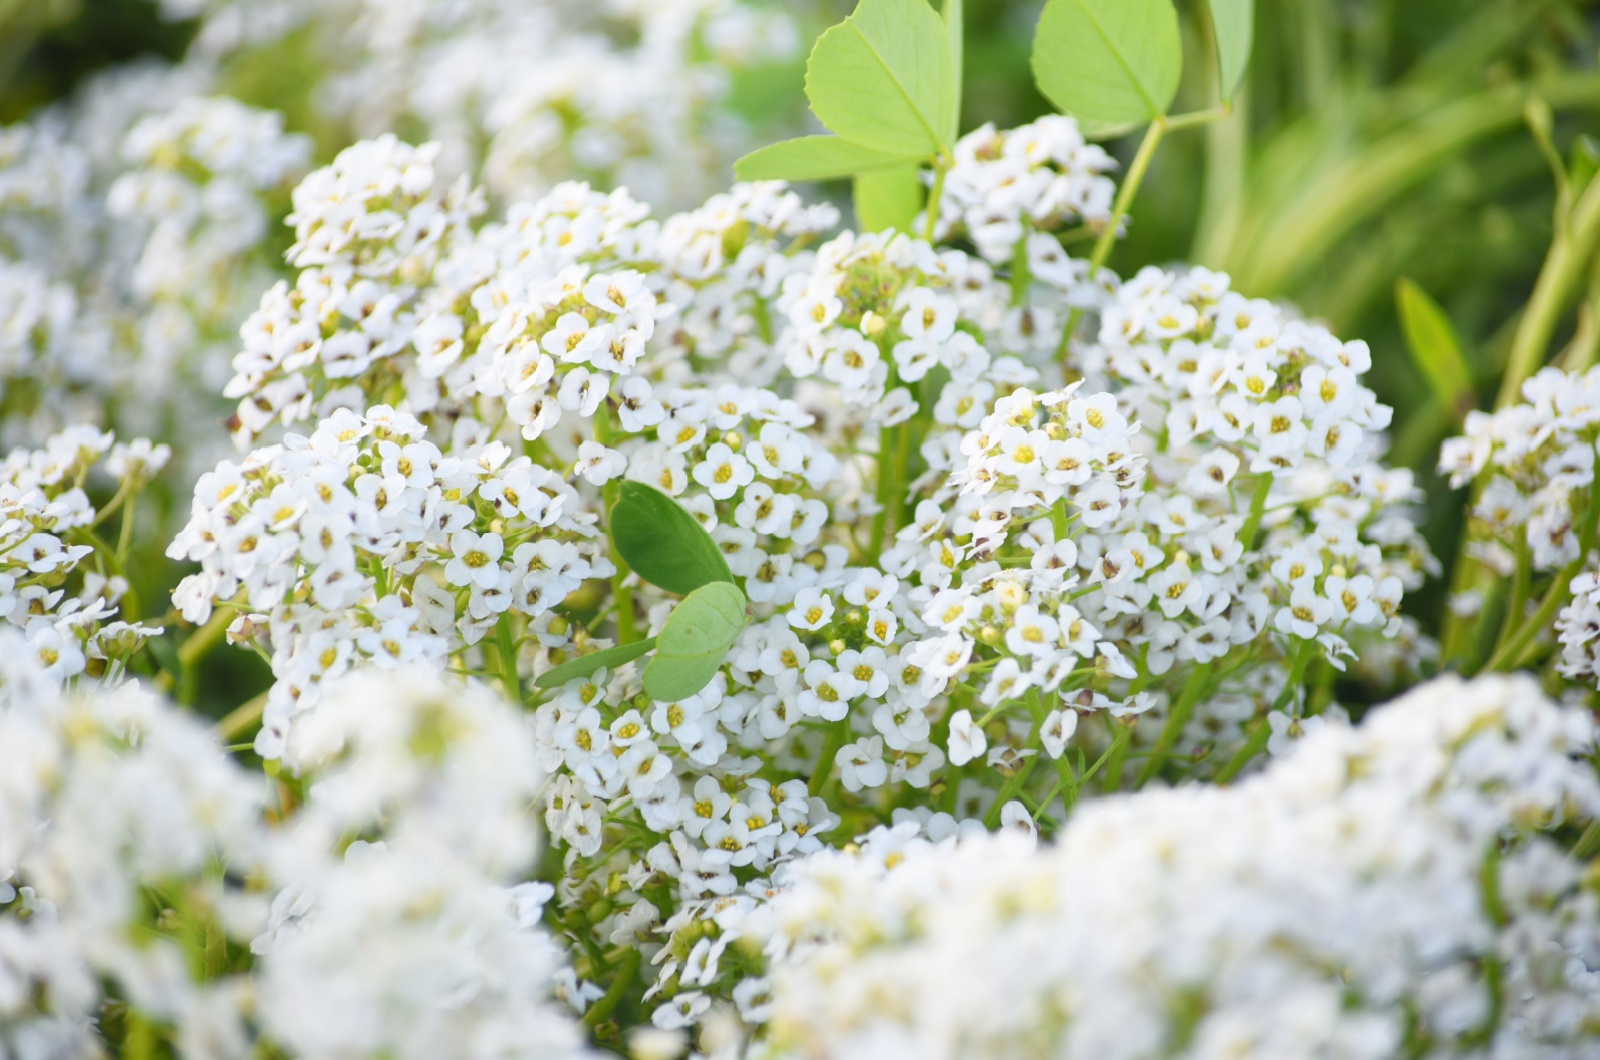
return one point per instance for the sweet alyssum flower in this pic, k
(1343, 893)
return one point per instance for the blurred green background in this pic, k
(1375, 140)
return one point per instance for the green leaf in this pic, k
(584, 665)
(695, 641)
(1585, 160)
(889, 198)
(955, 25)
(663, 543)
(885, 77)
(1233, 22)
(1109, 61)
(813, 158)
(1435, 348)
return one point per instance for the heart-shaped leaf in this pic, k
(585, 665)
(695, 641)
(1111, 62)
(1233, 22)
(663, 543)
(885, 78)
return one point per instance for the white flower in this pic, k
(966, 739)
(475, 559)
(723, 472)
(812, 609)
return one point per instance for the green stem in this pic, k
(236, 722)
(838, 733)
(198, 646)
(1519, 594)
(1193, 688)
(1117, 755)
(1252, 746)
(930, 219)
(1577, 235)
(1568, 260)
(140, 1041)
(1119, 209)
(125, 532)
(1258, 508)
(505, 643)
(1257, 740)
(1588, 844)
(1509, 655)
(627, 969)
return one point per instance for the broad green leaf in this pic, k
(1435, 348)
(1109, 61)
(663, 543)
(695, 641)
(884, 77)
(955, 27)
(1233, 23)
(889, 198)
(584, 665)
(813, 158)
(1100, 130)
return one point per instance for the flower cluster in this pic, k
(113, 811)
(432, 779)
(400, 300)
(1009, 186)
(1267, 516)
(124, 831)
(363, 543)
(65, 606)
(1385, 888)
(1578, 629)
(948, 561)
(131, 220)
(1535, 462)
(1533, 512)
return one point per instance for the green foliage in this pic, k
(887, 82)
(585, 665)
(1435, 348)
(1233, 23)
(889, 198)
(813, 158)
(885, 77)
(1109, 63)
(1584, 161)
(955, 27)
(695, 642)
(663, 543)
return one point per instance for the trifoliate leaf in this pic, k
(1113, 62)
(1233, 23)
(663, 543)
(885, 78)
(694, 643)
(889, 198)
(814, 158)
(584, 665)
